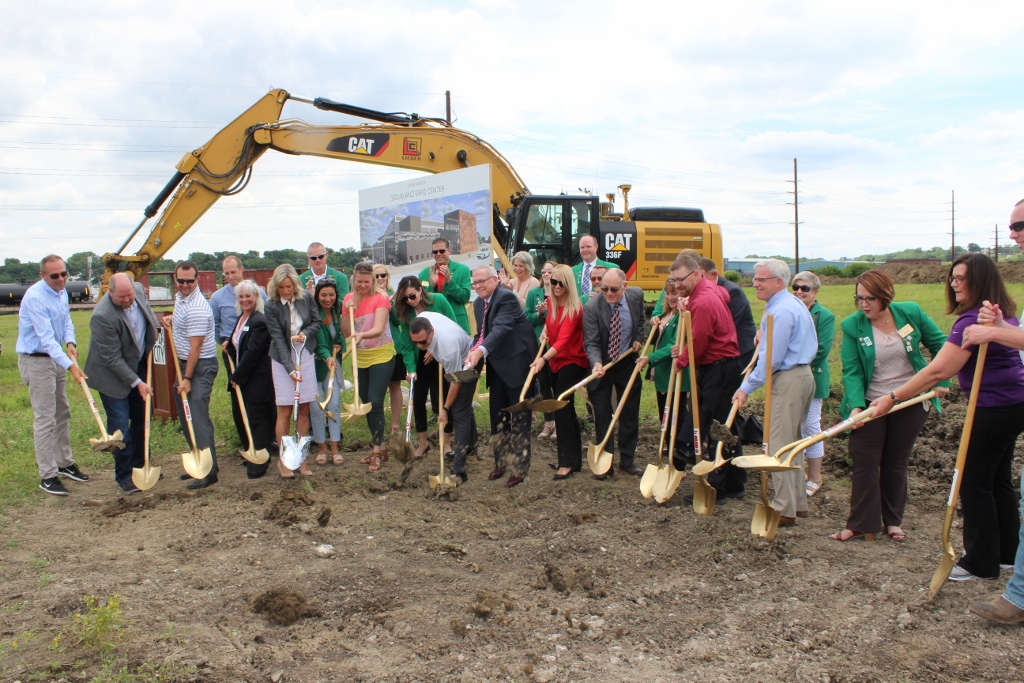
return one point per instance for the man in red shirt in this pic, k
(716, 353)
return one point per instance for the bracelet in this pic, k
(187, 378)
(892, 395)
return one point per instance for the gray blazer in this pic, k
(281, 348)
(113, 363)
(597, 315)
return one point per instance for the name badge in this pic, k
(906, 330)
(866, 341)
(245, 328)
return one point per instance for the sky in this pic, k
(889, 108)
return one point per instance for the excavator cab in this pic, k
(551, 227)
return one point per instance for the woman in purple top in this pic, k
(989, 501)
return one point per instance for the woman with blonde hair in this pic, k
(536, 309)
(374, 347)
(524, 281)
(382, 280)
(563, 330)
(292, 319)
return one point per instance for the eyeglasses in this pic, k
(596, 278)
(765, 279)
(435, 252)
(676, 280)
(411, 296)
(865, 299)
(1017, 227)
(183, 281)
(957, 280)
(57, 276)
(801, 288)
(421, 342)
(317, 258)
(477, 283)
(613, 290)
(381, 276)
(556, 283)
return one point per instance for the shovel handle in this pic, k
(694, 405)
(769, 330)
(591, 377)
(92, 404)
(674, 417)
(625, 394)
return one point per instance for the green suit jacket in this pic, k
(577, 272)
(340, 278)
(455, 292)
(325, 342)
(534, 297)
(825, 326)
(858, 350)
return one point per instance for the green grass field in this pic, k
(19, 476)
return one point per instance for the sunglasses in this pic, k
(801, 288)
(1017, 227)
(439, 251)
(421, 342)
(613, 290)
(413, 295)
(556, 283)
(596, 279)
(57, 276)
(317, 258)
(183, 281)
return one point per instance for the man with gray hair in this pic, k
(44, 326)
(794, 345)
(123, 331)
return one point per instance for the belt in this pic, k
(721, 360)
(37, 354)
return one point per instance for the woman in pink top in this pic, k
(568, 363)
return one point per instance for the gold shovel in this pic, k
(598, 458)
(357, 407)
(329, 414)
(525, 404)
(669, 478)
(106, 442)
(650, 477)
(766, 518)
(444, 482)
(949, 558)
(197, 463)
(550, 405)
(255, 457)
(146, 477)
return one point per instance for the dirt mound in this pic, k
(120, 506)
(283, 510)
(281, 606)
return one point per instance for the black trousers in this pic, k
(512, 449)
(716, 384)
(262, 421)
(567, 424)
(989, 501)
(426, 385)
(628, 424)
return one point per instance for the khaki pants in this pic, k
(792, 391)
(51, 431)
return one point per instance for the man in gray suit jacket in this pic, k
(618, 312)
(123, 333)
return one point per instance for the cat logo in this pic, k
(369, 144)
(411, 148)
(618, 241)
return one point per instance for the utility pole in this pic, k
(448, 106)
(952, 215)
(997, 243)
(796, 222)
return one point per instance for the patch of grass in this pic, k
(100, 627)
(39, 562)
(45, 579)
(112, 672)
(13, 609)
(12, 543)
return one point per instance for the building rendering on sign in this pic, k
(407, 239)
(460, 231)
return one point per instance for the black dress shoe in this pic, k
(184, 476)
(463, 477)
(553, 465)
(738, 495)
(560, 477)
(607, 475)
(128, 488)
(202, 483)
(515, 480)
(497, 473)
(631, 469)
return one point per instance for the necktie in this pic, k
(483, 326)
(585, 281)
(615, 334)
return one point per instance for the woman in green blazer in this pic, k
(536, 310)
(882, 350)
(330, 343)
(805, 287)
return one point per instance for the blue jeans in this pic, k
(1015, 586)
(321, 426)
(129, 415)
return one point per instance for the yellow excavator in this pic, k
(643, 241)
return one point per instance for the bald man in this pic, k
(123, 331)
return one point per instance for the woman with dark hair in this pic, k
(536, 310)
(987, 496)
(410, 301)
(375, 349)
(291, 319)
(249, 348)
(329, 344)
(881, 350)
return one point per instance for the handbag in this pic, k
(750, 429)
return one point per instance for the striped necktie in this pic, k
(585, 282)
(615, 333)
(483, 326)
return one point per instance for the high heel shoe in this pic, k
(284, 471)
(838, 536)
(547, 431)
(560, 477)
(420, 456)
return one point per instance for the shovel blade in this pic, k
(109, 442)
(669, 484)
(255, 457)
(146, 477)
(197, 464)
(765, 522)
(293, 451)
(704, 495)
(765, 463)
(357, 408)
(435, 481)
(648, 480)
(519, 407)
(941, 574)
(460, 376)
(331, 415)
(548, 405)
(706, 467)
(600, 460)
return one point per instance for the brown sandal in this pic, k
(374, 462)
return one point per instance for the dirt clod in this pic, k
(284, 510)
(120, 506)
(281, 606)
(324, 517)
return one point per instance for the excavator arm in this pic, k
(223, 166)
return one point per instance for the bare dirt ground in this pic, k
(551, 581)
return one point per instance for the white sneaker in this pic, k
(1006, 568)
(960, 574)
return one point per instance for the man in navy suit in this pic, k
(123, 331)
(506, 340)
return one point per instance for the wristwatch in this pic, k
(892, 395)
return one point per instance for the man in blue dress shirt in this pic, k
(794, 345)
(44, 329)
